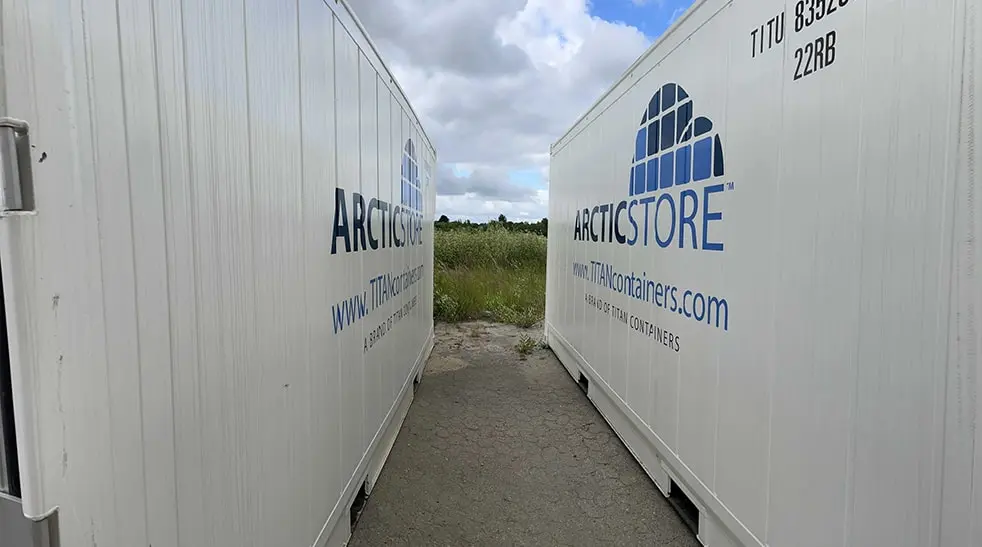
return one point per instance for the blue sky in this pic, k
(652, 17)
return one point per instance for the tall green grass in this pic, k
(492, 274)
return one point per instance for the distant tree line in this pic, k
(541, 227)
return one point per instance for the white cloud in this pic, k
(478, 209)
(495, 84)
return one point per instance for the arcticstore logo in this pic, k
(676, 169)
(372, 223)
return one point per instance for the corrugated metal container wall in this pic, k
(220, 307)
(763, 257)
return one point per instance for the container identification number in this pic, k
(808, 12)
(815, 56)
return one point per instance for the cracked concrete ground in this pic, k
(500, 450)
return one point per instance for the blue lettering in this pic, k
(593, 215)
(634, 223)
(708, 216)
(619, 237)
(358, 223)
(383, 208)
(688, 220)
(372, 240)
(722, 309)
(340, 222)
(603, 222)
(699, 315)
(671, 235)
(405, 218)
(646, 201)
(337, 313)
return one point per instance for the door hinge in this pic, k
(16, 177)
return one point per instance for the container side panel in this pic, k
(117, 247)
(416, 255)
(351, 307)
(552, 263)
(317, 105)
(578, 301)
(409, 147)
(412, 250)
(375, 406)
(178, 194)
(418, 291)
(597, 344)
(746, 364)
(87, 452)
(611, 346)
(960, 515)
(559, 227)
(901, 366)
(971, 284)
(218, 102)
(410, 158)
(429, 241)
(276, 373)
(815, 320)
(400, 135)
(345, 13)
(150, 255)
(388, 158)
(690, 256)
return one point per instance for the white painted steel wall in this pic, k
(180, 375)
(837, 401)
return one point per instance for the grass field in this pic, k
(491, 274)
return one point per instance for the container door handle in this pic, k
(16, 178)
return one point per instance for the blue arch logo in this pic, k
(673, 196)
(412, 195)
(673, 148)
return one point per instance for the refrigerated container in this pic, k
(216, 245)
(763, 264)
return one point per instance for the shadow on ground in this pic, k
(501, 449)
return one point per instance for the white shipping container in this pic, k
(764, 260)
(216, 252)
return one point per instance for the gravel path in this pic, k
(501, 450)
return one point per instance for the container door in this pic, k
(9, 477)
(14, 528)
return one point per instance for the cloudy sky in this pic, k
(497, 81)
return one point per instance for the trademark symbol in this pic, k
(730, 185)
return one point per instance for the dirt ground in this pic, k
(501, 448)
